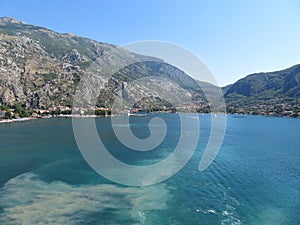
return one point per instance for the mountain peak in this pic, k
(6, 20)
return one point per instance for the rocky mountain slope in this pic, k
(40, 68)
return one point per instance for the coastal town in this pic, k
(282, 109)
(17, 113)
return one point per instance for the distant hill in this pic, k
(226, 88)
(259, 88)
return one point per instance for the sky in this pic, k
(233, 38)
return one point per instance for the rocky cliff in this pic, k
(40, 68)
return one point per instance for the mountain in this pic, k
(226, 88)
(41, 68)
(281, 85)
(273, 84)
(271, 93)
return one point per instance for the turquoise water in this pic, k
(255, 179)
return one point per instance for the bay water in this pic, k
(255, 179)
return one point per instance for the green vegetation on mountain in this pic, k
(40, 69)
(273, 92)
(284, 83)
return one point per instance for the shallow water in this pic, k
(255, 179)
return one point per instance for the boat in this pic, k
(137, 112)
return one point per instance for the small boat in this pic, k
(137, 114)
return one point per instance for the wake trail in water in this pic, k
(26, 199)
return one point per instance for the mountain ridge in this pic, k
(271, 93)
(287, 74)
(40, 68)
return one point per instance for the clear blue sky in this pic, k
(234, 38)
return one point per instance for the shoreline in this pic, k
(17, 120)
(96, 116)
(47, 117)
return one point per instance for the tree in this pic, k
(7, 115)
